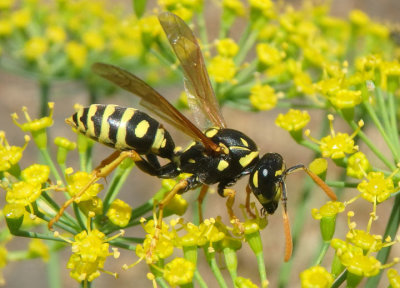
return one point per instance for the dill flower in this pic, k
(269, 55)
(5, 28)
(316, 277)
(227, 47)
(359, 18)
(179, 272)
(235, 7)
(77, 54)
(261, 8)
(64, 146)
(344, 98)
(23, 193)
(93, 40)
(263, 97)
(36, 173)
(358, 165)
(293, 120)
(78, 181)
(35, 48)
(327, 214)
(37, 248)
(56, 34)
(222, 69)
(6, 4)
(337, 145)
(21, 18)
(376, 188)
(10, 155)
(119, 213)
(3, 263)
(394, 278)
(241, 282)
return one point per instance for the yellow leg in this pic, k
(200, 200)
(248, 193)
(230, 193)
(104, 169)
(181, 185)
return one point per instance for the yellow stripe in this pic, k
(222, 165)
(255, 179)
(90, 123)
(142, 128)
(158, 140)
(121, 133)
(80, 124)
(245, 160)
(105, 126)
(211, 132)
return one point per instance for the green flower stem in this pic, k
(341, 184)
(47, 158)
(133, 239)
(79, 218)
(312, 146)
(371, 146)
(214, 268)
(199, 279)
(391, 230)
(231, 262)
(30, 234)
(381, 130)
(44, 87)
(324, 248)
(383, 112)
(160, 281)
(118, 180)
(120, 243)
(73, 229)
(262, 269)
(246, 42)
(392, 104)
(53, 269)
(339, 280)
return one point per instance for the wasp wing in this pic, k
(152, 100)
(197, 82)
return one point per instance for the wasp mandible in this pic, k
(218, 155)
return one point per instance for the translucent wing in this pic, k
(152, 100)
(197, 83)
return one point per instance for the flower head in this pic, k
(316, 277)
(36, 173)
(263, 97)
(293, 120)
(119, 213)
(78, 181)
(35, 48)
(222, 69)
(358, 165)
(10, 155)
(227, 47)
(376, 188)
(179, 272)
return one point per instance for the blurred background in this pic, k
(17, 90)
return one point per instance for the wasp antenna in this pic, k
(328, 191)
(288, 236)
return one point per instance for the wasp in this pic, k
(219, 155)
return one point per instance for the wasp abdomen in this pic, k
(123, 129)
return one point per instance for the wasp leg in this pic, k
(230, 193)
(248, 193)
(153, 167)
(200, 200)
(103, 170)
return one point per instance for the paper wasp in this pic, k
(218, 155)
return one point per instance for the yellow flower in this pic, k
(234, 6)
(93, 40)
(377, 188)
(23, 193)
(394, 278)
(241, 282)
(37, 248)
(64, 143)
(79, 180)
(365, 240)
(293, 120)
(35, 48)
(263, 97)
(222, 69)
(5, 27)
(264, 7)
(119, 213)
(21, 18)
(358, 165)
(179, 272)
(269, 55)
(316, 277)
(6, 4)
(329, 209)
(56, 34)
(10, 155)
(337, 145)
(36, 173)
(77, 54)
(35, 125)
(358, 18)
(345, 98)
(303, 83)
(227, 47)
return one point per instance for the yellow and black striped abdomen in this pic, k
(123, 129)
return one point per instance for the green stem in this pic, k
(262, 269)
(141, 210)
(341, 184)
(199, 279)
(381, 130)
(53, 270)
(392, 103)
(215, 269)
(339, 280)
(391, 230)
(47, 158)
(44, 87)
(78, 216)
(246, 42)
(323, 250)
(160, 281)
(56, 208)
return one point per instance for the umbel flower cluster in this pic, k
(299, 60)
